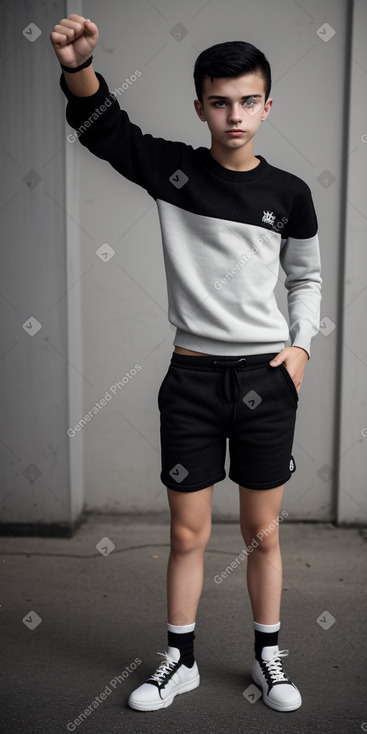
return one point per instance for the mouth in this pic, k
(235, 132)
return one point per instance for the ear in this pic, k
(267, 107)
(200, 110)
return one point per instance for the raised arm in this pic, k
(99, 123)
(73, 40)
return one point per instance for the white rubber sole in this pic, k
(277, 706)
(154, 706)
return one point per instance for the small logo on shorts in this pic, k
(292, 465)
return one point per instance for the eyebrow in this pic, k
(246, 96)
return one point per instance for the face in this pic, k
(233, 104)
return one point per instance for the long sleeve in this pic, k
(301, 262)
(106, 130)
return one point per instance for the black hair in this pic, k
(230, 59)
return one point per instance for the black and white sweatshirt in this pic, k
(224, 234)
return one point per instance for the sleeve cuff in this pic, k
(91, 100)
(306, 349)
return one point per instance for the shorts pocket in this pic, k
(164, 382)
(289, 381)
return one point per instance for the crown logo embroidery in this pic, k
(268, 217)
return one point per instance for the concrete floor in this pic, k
(102, 612)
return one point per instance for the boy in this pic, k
(228, 218)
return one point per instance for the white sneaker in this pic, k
(170, 678)
(279, 692)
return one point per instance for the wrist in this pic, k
(75, 69)
(303, 350)
(83, 84)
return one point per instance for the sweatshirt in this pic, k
(224, 234)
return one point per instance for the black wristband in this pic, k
(72, 70)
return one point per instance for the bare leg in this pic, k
(191, 515)
(258, 511)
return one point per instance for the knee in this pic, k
(185, 539)
(262, 539)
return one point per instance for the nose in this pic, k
(235, 113)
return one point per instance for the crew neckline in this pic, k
(227, 173)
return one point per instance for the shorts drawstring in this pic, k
(230, 388)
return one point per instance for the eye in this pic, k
(250, 102)
(218, 103)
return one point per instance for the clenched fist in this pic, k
(74, 39)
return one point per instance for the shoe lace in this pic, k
(275, 666)
(164, 667)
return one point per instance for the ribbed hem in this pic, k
(227, 349)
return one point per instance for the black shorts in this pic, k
(205, 400)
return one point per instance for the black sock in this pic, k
(185, 643)
(264, 639)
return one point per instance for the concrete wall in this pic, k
(352, 309)
(36, 487)
(103, 318)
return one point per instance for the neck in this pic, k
(240, 159)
